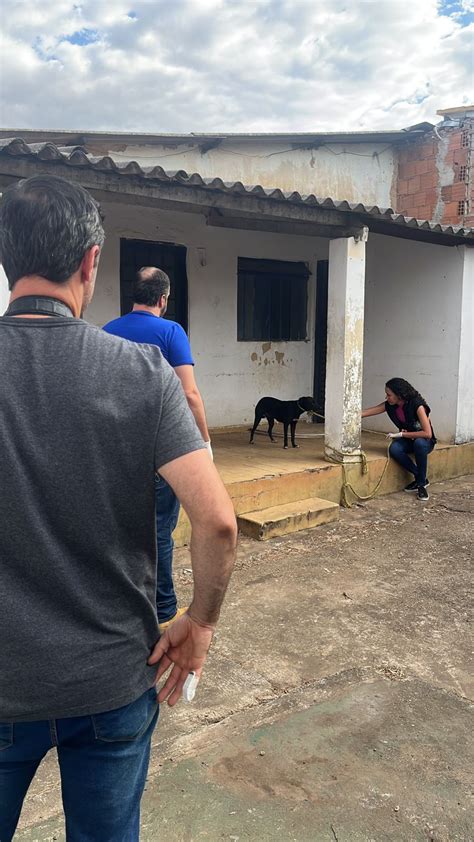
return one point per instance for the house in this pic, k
(282, 292)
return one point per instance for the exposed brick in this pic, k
(431, 198)
(419, 199)
(450, 211)
(428, 149)
(458, 191)
(414, 185)
(447, 193)
(429, 180)
(423, 212)
(408, 170)
(460, 157)
(402, 186)
(422, 167)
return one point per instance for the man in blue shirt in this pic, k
(145, 324)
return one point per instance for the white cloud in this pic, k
(234, 65)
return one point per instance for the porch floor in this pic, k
(264, 475)
(238, 461)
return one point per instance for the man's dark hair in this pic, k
(46, 227)
(150, 284)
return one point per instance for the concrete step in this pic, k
(291, 517)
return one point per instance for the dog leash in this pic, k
(346, 485)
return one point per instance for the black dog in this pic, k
(288, 412)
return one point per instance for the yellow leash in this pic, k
(346, 485)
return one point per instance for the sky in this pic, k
(233, 65)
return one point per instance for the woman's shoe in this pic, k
(413, 486)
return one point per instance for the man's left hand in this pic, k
(184, 646)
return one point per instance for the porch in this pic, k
(264, 476)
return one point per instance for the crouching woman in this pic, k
(410, 413)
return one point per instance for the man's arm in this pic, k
(185, 644)
(193, 397)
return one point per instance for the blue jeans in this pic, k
(167, 512)
(103, 760)
(399, 450)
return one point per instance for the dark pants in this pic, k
(399, 450)
(103, 760)
(167, 513)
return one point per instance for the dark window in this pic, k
(272, 300)
(166, 256)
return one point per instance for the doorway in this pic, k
(321, 336)
(170, 258)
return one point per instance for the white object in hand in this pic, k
(189, 687)
(209, 449)
(398, 435)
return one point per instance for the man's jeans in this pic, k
(103, 760)
(167, 512)
(399, 450)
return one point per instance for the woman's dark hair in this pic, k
(403, 389)
(46, 226)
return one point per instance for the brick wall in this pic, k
(434, 180)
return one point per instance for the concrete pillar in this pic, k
(465, 385)
(345, 347)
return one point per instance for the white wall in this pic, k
(359, 172)
(4, 291)
(231, 375)
(465, 404)
(412, 325)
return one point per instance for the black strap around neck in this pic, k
(41, 305)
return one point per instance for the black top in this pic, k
(412, 422)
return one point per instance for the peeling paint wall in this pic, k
(412, 325)
(359, 172)
(231, 375)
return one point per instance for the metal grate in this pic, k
(272, 297)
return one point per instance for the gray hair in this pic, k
(46, 226)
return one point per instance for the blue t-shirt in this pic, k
(141, 326)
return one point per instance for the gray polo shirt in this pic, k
(85, 420)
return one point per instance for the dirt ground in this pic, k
(335, 705)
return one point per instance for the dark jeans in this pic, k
(167, 512)
(399, 450)
(103, 760)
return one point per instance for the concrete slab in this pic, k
(331, 639)
(357, 757)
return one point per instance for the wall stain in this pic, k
(266, 347)
(280, 356)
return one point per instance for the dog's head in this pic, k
(307, 403)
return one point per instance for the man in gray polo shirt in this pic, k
(87, 420)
